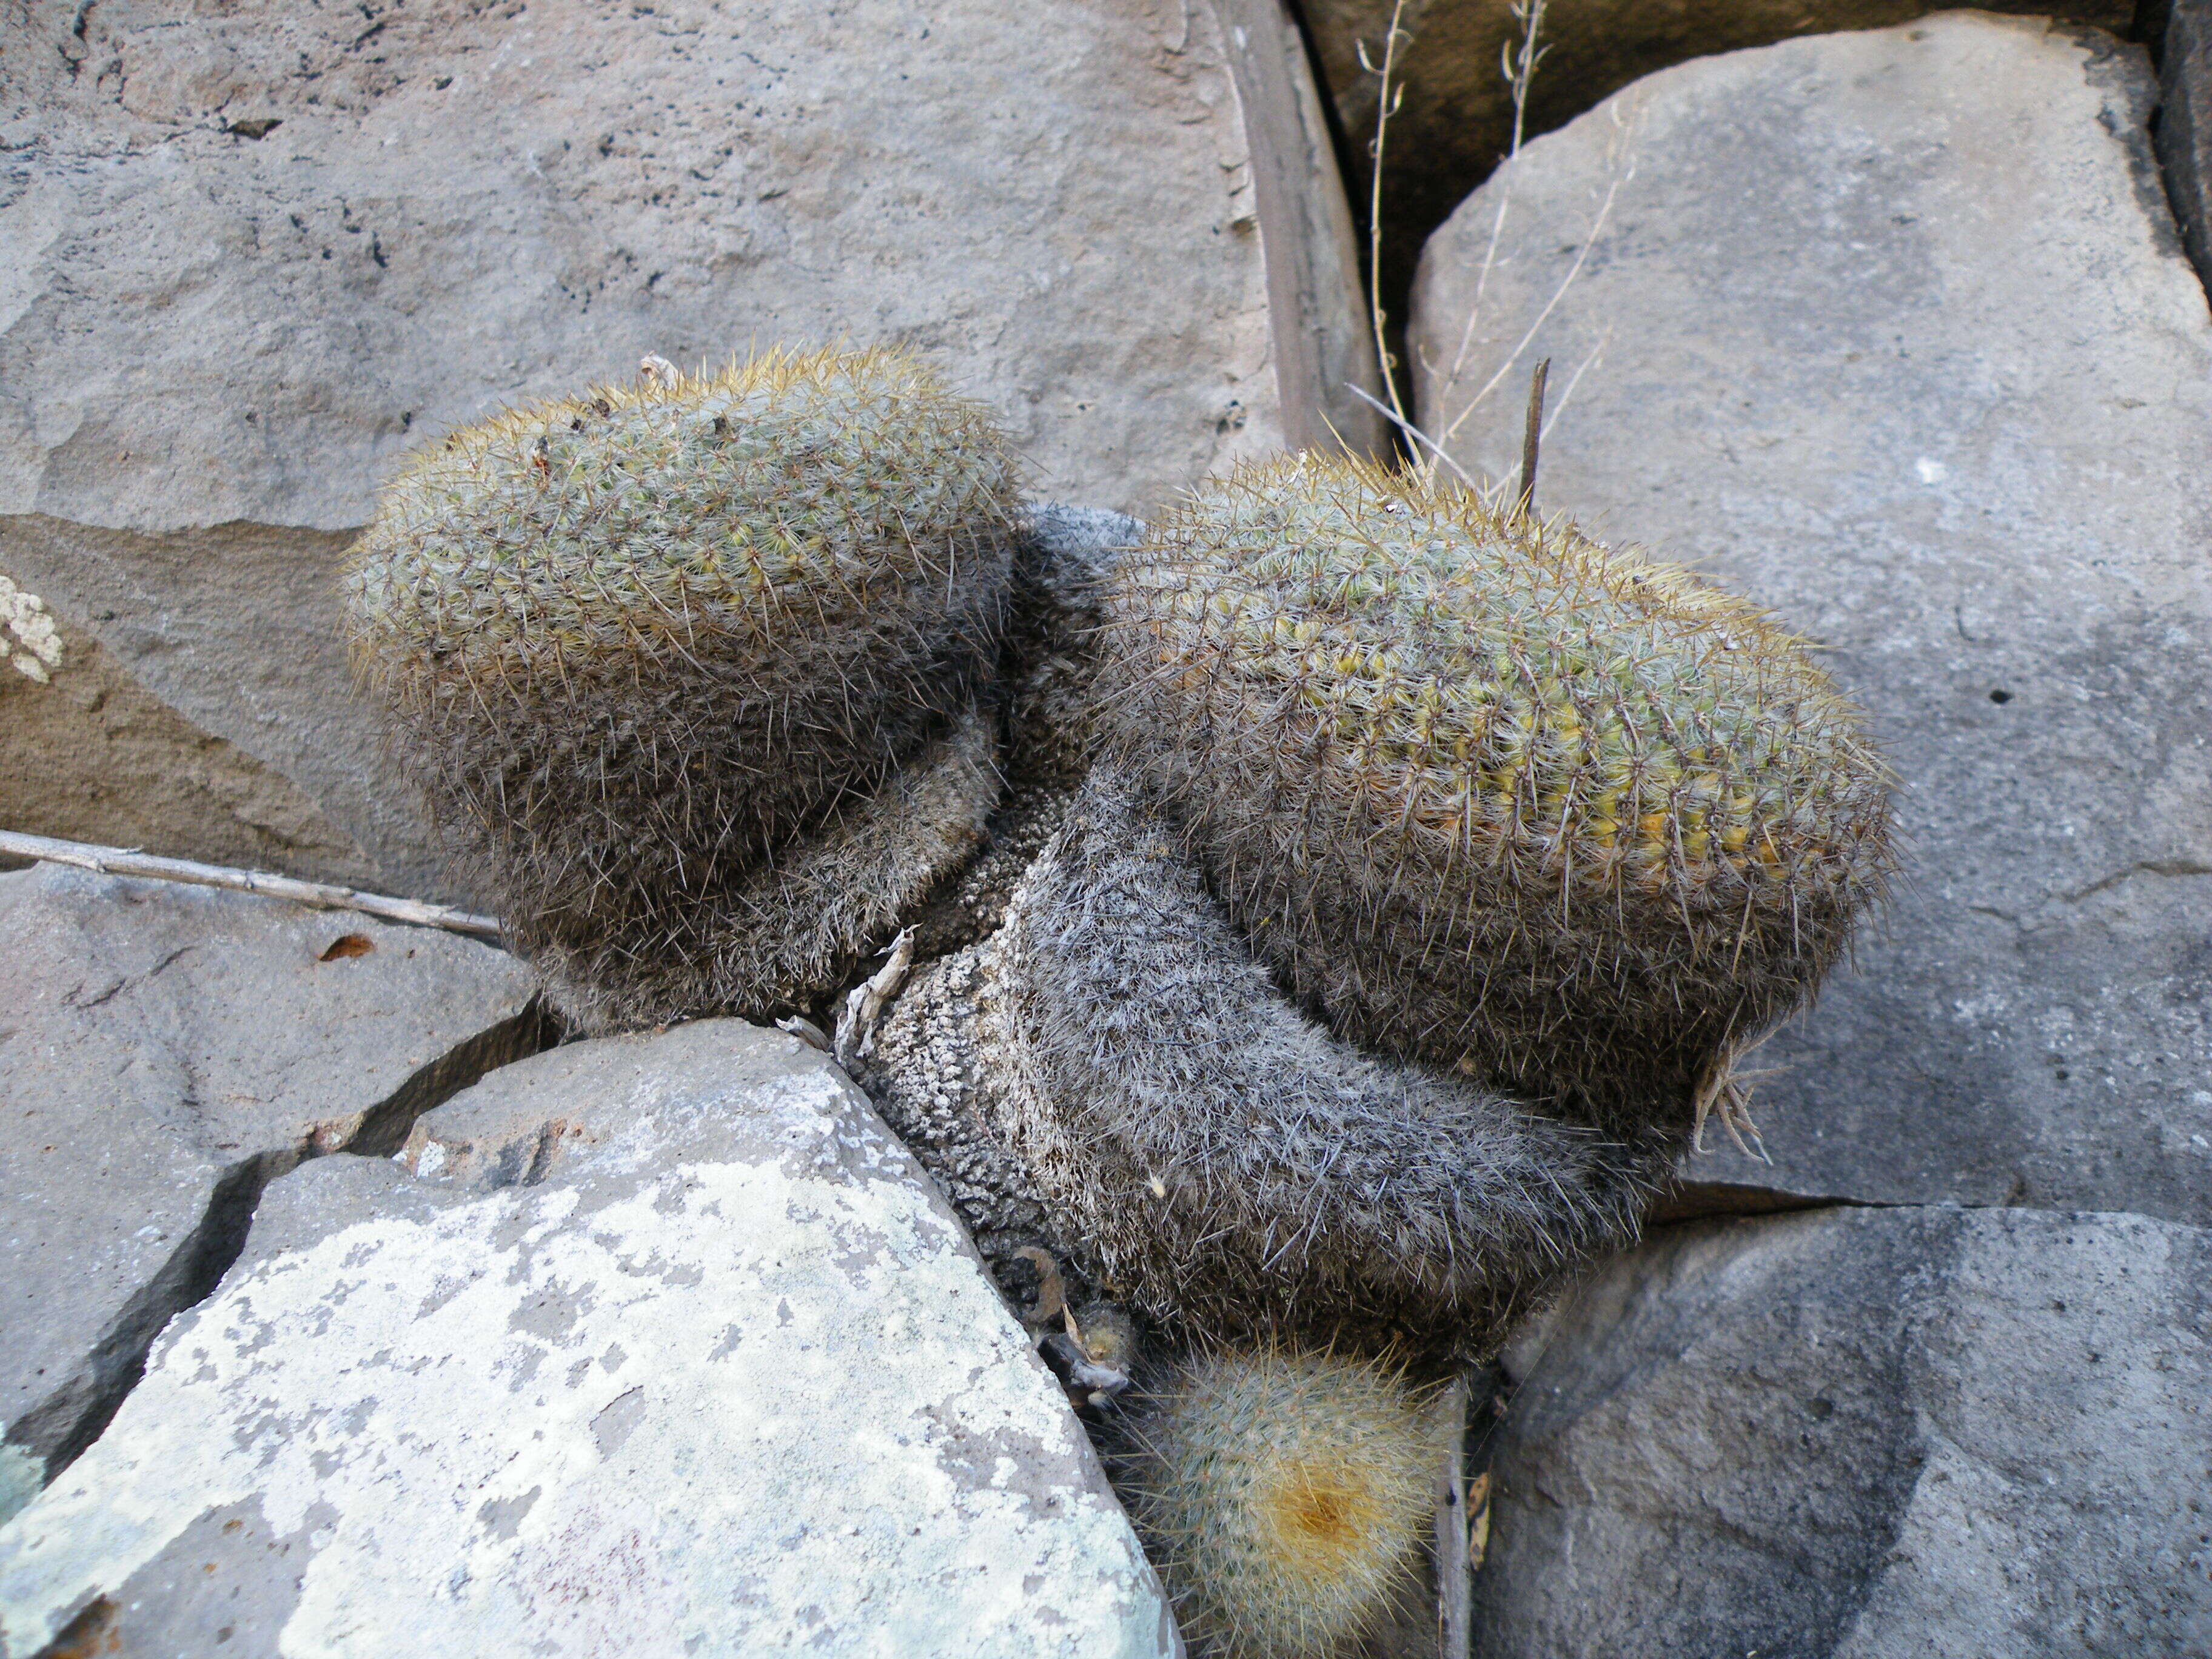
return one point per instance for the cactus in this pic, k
(646, 650)
(1177, 1129)
(1492, 795)
(1283, 1496)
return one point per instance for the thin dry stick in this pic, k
(1520, 73)
(1597, 227)
(1386, 106)
(1532, 438)
(1428, 467)
(317, 895)
(1454, 1591)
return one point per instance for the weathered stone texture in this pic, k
(1890, 330)
(649, 1346)
(1866, 1433)
(164, 1051)
(91, 755)
(1455, 123)
(255, 255)
(2184, 122)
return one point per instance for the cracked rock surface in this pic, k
(1867, 1433)
(652, 1344)
(1931, 376)
(164, 1051)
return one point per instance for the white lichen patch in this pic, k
(28, 635)
(733, 1407)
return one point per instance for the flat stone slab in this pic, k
(649, 1346)
(1890, 330)
(1871, 1433)
(166, 1050)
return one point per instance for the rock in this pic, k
(1867, 1432)
(1316, 296)
(165, 1050)
(2184, 123)
(91, 755)
(1890, 330)
(1457, 122)
(649, 1346)
(257, 257)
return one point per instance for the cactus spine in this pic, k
(639, 648)
(1494, 795)
(1283, 1495)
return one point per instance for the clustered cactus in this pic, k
(654, 653)
(1406, 876)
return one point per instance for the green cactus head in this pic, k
(631, 642)
(1494, 794)
(1283, 1495)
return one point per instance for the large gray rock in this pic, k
(2184, 122)
(1455, 122)
(1871, 1433)
(164, 1051)
(89, 754)
(1890, 330)
(649, 1345)
(255, 256)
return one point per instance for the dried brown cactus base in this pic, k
(795, 928)
(1114, 1076)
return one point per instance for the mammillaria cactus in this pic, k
(1493, 796)
(1283, 1495)
(654, 653)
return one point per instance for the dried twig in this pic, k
(320, 896)
(1520, 73)
(1389, 98)
(807, 1032)
(864, 1003)
(1532, 438)
(1412, 432)
(1454, 1591)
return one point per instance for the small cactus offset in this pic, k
(1283, 1495)
(632, 643)
(1496, 796)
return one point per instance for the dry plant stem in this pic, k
(1520, 71)
(321, 896)
(1428, 467)
(1386, 106)
(864, 1003)
(1521, 65)
(1454, 1590)
(1532, 438)
(1597, 227)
